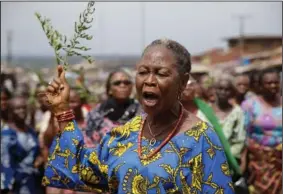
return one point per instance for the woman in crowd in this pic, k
(20, 153)
(263, 122)
(5, 97)
(165, 150)
(242, 83)
(230, 116)
(208, 91)
(116, 110)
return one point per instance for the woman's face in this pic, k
(120, 86)
(75, 101)
(190, 92)
(19, 109)
(4, 101)
(242, 84)
(270, 84)
(223, 90)
(157, 80)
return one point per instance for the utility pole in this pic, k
(242, 18)
(9, 46)
(142, 25)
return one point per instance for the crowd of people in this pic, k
(178, 135)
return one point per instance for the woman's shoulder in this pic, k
(250, 101)
(7, 130)
(200, 132)
(124, 132)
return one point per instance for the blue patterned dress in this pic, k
(192, 162)
(18, 153)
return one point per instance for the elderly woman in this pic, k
(167, 150)
(263, 122)
(230, 116)
(116, 110)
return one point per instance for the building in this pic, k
(255, 43)
(232, 55)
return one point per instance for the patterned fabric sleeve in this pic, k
(73, 166)
(216, 175)
(7, 168)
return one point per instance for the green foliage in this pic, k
(61, 43)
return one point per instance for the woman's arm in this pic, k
(72, 166)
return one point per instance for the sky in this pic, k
(117, 27)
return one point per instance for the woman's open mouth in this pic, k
(150, 99)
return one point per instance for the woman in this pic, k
(230, 116)
(5, 97)
(116, 110)
(20, 153)
(167, 150)
(263, 122)
(208, 91)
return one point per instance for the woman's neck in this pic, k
(120, 101)
(4, 116)
(165, 118)
(224, 105)
(273, 100)
(19, 126)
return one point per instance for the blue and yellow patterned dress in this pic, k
(192, 162)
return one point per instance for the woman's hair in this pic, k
(266, 71)
(182, 55)
(229, 78)
(108, 81)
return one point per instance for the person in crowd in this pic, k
(263, 122)
(230, 116)
(6, 95)
(117, 109)
(165, 150)
(242, 82)
(20, 153)
(254, 87)
(208, 91)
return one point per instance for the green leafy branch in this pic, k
(71, 46)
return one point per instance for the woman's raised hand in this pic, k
(58, 92)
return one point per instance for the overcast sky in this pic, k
(117, 25)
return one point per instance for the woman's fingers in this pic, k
(55, 85)
(50, 89)
(57, 81)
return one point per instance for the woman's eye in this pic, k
(142, 72)
(162, 74)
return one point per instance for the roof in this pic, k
(200, 68)
(254, 37)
